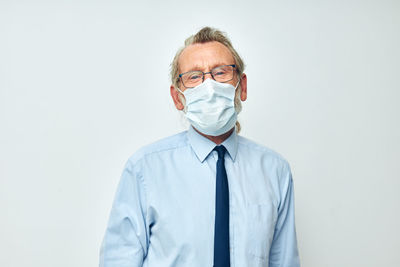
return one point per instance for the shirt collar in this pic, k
(202, 146)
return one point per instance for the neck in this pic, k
(217, 139)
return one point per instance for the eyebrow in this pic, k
(198, 68)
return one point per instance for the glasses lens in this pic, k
(192, 79)
(223, 73)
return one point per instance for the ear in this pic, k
(175, 97)
(243, 87)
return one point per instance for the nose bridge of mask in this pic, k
(207, 88)
(201, 92)
(211, 87)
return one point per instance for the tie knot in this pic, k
(221, 151)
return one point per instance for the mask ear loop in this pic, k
(237, 84)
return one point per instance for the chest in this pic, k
(181, 201)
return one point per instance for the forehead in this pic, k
(204, 57)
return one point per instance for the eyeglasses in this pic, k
(221, 74)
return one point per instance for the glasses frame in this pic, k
(204, 74)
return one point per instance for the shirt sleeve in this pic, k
(284, 252)
(126, 239)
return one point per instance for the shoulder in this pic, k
(271, 162)
(262, 152)
(166, 144)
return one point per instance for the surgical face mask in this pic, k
(210, 107)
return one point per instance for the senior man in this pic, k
(206, 196)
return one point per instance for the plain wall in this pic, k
(84, 84)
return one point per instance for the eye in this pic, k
(195, 77)
(219, 73)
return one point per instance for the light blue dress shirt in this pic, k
(164, 207)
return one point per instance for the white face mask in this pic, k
(210, 107)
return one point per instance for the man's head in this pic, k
(204, 51)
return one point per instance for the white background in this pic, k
(84, 84)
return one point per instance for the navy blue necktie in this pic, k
(221, 230)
